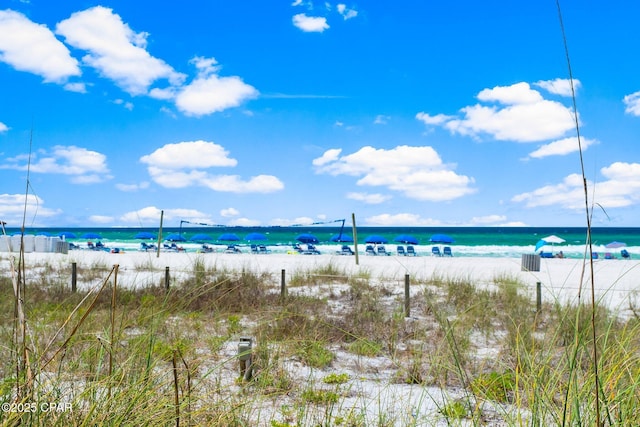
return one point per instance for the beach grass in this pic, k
(150, 355)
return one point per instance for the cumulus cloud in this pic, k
(401, 219)
(346, 12)
(284, 222)
(209, 93)
(562, 147)
(82, 165)
(310, 24)
(381, 120)
(488, 219)
(620, 188)
(30, 47)
(187, 164)
(12, 208)
(151, 215)
(632, 104)
(244, 222)
(372, 199)
(416, 172)
(129, 188)
(560, 87)
(115, 50)
(516, 113)
(101, 219)
(3, 127)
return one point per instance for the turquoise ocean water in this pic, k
(468, 241)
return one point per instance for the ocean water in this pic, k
(467, 241)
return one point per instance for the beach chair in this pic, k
(206, 248)
(400, 251)
(232, 249)
(346, 250)
(311, 250)
(609, 255)
(625, 254)
(546, 254)
(435, 251)
(369, 250)
(382, 251)
(411, 251)
(262, 249)
(595, 255)
(446, 251)
(254, 248)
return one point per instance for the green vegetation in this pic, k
(150, 356)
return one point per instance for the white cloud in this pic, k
(151, 215)
(522, 115)
(209, 93)
(562, 147)
(560, 87)
(620, 188)
(401, 219)
(244, 222)
(229, 212)
(33, 48)
(381, 120)
(76, 87)
(115, 50)
(632, 104)
(416, 172)
(310, 24)
(185, 164)
(3, 127)
(372, 199)
(346, 12)
(84, 166)
(488, 219)
(12, 209)
(283, 222)
(101, 219)
(129, 188)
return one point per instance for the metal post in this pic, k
(74, 276)
(244, 357)
(167, 278)
(538, 297)
(283, 286)
(407, 299)
(355, 237)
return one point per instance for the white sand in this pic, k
(616, 281)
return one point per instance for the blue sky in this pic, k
(278, 113)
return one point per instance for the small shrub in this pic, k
(495, 386)
(365, 347)
(313, 354)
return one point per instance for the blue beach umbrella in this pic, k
(375, 239)
(200, 237)
(307, 238)
(441, 238)
(540, 244)
(67, 235)
(145, 235)
(229, 237)
(341, 238)
(175, 238)
(406, 238)
(95, 236)
(252, 237)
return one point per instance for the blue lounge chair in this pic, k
(311, 250)
(411, 251)
(346, 250)
(546, 254)
(447, 251)
(625, 254)
(382, 251)
(369, 250)
(609, 255)
(400, 250)
(254, 248)
(595, 255)
(262, 249)
(435, 251)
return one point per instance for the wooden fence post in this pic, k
(283, 286)
(538, 297)
(74, 276)
(167, 278)
(407, 298)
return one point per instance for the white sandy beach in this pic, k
(616, 281)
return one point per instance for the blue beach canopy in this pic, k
(175, 238)
(200, 237)
(307, 238)
(406, 238)
(67, 235)
(255, 236)
(441, 238)
(375, 239)
(145, 235)
(229, 237)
